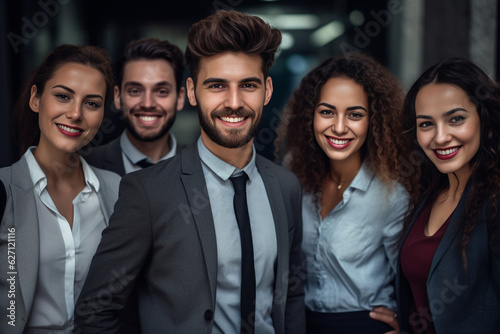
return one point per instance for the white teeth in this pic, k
(148, 118)
(233, 119)
(65, 128)
(446, 152)
(338, 142)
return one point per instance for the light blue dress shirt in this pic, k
(221, 193)
(131, 155)
(65, 252)
(351, 254)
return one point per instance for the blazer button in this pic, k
(209, 315)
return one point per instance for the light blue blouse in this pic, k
(351, 254)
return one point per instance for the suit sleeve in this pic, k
(295, 308)
(494, 242)
(119, 260)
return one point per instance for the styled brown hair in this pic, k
(384, 145)
(231, 31)
(27, 120)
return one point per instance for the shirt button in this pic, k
(209, 315)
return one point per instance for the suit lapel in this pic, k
(27, 237)
(278, 208)
(195, 188)
(451, 233)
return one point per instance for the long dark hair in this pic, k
(485, 178)
(26, 120)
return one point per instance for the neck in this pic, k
(155, 150)
(237, 157)
(457, 182)
(59, 166)
(344, 170)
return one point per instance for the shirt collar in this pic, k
(363, 179)
(134, 155)
(40, 180)
(221, 168)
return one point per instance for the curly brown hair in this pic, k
(384, 146)
(231, 31)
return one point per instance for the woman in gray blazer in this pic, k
(57, 205)
(448, 278)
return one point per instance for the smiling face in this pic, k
(230, 94)
(149, 99)
(70, 108)
(341, 119)
(448, 127)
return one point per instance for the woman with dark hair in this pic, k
(342, 135)
(448, 278)
(57, 205)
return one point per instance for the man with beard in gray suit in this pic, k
(175, 234)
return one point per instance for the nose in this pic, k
(75, 112)
(442, 135)
(234, 99)
(148, 101)
(340, 126)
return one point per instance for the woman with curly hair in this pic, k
(341, 132)
(448, 278)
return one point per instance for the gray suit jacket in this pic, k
(21, 215)
(161, 239)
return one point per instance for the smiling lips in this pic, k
(446, 153)
(337, 143)
(148, 120)
(233, 121)
(69, 131)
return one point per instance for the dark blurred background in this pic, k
(405, 35)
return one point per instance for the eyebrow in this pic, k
(135, 83)
(73, 92)
(216, 80)
(333, 107)
(446, 114)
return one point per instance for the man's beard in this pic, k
(150, 137)
(236, 138)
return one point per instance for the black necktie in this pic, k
(247, 262)
(144, 163)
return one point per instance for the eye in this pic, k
(162, 92)
(356, 115)
(249, 85)
(62, 97)
(216, 86)
(93, 104)
(134, 92)
(425, 124)
(457, 119)
(326, 112)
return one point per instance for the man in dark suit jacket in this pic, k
(174, 234)
(149, 92)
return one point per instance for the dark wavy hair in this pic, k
(231, 31)
(152, 49)
(384, 146)
(26, 120)
(485, 178)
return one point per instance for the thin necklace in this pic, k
(340, 184)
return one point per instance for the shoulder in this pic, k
(92, 153)
(106, 176)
